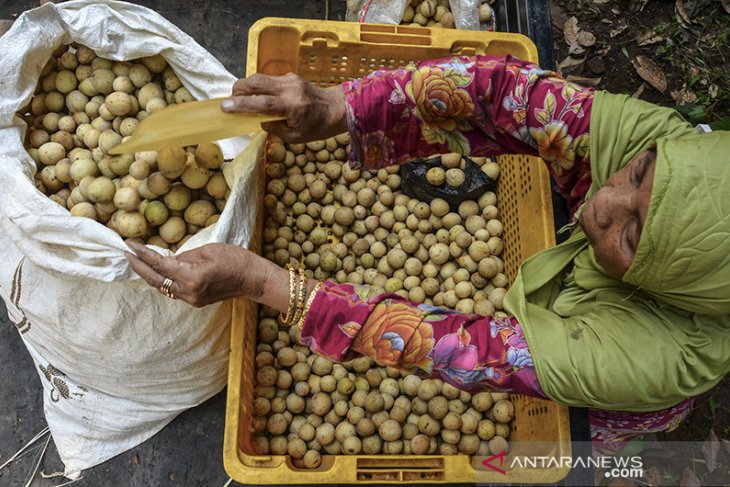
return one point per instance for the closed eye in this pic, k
(632, 234)
(639, 172)
(635, 177)
(637, 227)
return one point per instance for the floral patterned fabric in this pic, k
(472, 352)
(611, 430)
(479, 106)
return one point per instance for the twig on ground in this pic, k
(37, 437)
(41, 454)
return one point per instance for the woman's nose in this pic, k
(611, 203)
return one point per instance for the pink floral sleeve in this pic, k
(480, 106)
(472, 352)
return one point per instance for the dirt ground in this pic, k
(674, 54)
(669, 53)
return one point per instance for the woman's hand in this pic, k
(201, 276)
(311, 112)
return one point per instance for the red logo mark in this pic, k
(487, 462)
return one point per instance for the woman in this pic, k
(629, 316)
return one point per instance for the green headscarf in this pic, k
(641, 343)
(684, 255)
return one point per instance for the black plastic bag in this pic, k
(415, 184)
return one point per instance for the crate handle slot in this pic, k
(401, 463)
(390, 34)
(401, 470)
(320, 39)
(466, 48)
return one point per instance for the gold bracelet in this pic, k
(300, 297)
(288, 318)
(312, 295)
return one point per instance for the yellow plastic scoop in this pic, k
(190, 123)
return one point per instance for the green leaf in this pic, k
(364, 292)
(433, 317)
(464, 126)
(581, 145)
(456, 142)
(693, 112)
(550, 104)
(568, 91)
(432, 136)
(409, 91)
(722, 124)
(518, 92)
(542, 116)
(459, 79)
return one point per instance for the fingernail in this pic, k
(227, 104)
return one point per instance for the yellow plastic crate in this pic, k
(328, 53)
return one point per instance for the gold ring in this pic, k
(165, 288)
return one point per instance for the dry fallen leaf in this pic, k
(639, 90)
(726, 5)
(710, 450)
(576, 49)
(649, 71)
(571, 61)
(683, 96)
(604, 50)
(649, 37)
(681, 11)
(689, 479)
(586, 39)
(638, 5)
(620, 27)
(581, 80)
(570, 31)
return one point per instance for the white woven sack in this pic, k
(117, 360)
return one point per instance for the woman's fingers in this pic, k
(258, 84)
(166, 266)
(257, 94)
(311, 112)
(281, 129)
(155, 279)
(154, 268)
(266, 104)
(150, 276)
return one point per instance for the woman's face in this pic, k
(614, 217)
